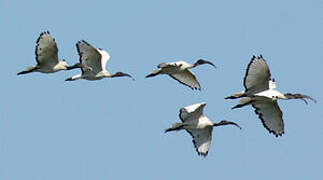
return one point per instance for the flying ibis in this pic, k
(260, 92)
(198, 126)
(180, 72)
(46, 56)
(92, 63)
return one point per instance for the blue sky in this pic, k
(113, 128)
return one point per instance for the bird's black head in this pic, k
(120, 74)
(202, 61)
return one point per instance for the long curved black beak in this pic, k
(128, 75)
(299, 96)
(121, 74)
(224, 122)
(202, 61)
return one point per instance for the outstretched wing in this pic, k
(167, 65)
(90, 57)
(192, 113)
(271, 116)
(299, 96)
(201, 137)
(105, 56)
(46, 50)
(201, 140)
(257, 75)
(187, 78)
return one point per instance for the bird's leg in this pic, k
(154, 73)
(243, 102)
(79, 65)
(237, 95)
(28, 70)
(175, 127)
(73, 78)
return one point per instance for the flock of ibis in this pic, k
(260, 89)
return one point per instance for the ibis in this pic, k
(46, 56)
(260, 92)
(180, 72)
(198, 126)
(92, 63)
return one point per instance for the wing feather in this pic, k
(167, 65)
(89, 57)
(46, 50)
(192, 112)
(201, 140)
(105, 56)
(271, 116)
(257, 76)
(187, 78)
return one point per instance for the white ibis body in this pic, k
(198, 126)
(46, 56)
(92, 63)
(180, 72)
(260, 92)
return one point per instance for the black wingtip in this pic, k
(202, 154)
(277, 135)
(193, 88)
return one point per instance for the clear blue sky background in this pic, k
(113, 128)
